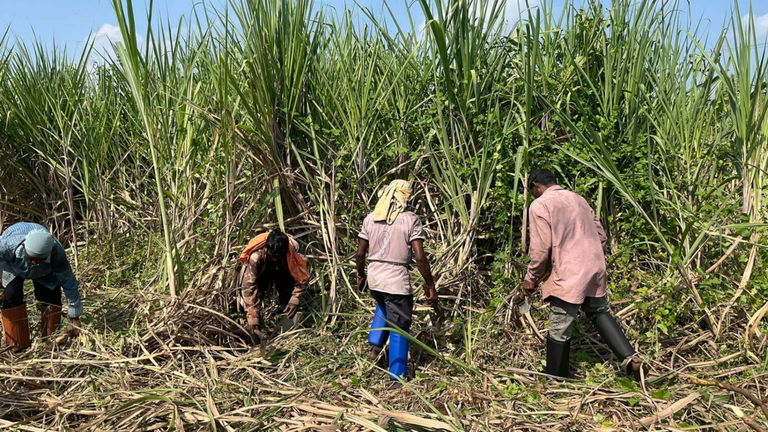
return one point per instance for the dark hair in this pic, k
(277, 243)
(541, 176)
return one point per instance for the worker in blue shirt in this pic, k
(29, 251)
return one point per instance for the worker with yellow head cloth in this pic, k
(391, 237)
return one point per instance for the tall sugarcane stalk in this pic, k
(137, 75)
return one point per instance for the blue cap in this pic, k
(39, 244)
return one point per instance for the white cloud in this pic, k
(109, 31)
(104, 38)
(761, 28)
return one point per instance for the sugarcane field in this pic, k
(395, 215)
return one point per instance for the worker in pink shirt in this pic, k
(390, 239)
(567, 250)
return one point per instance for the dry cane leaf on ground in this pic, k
(189, 363)
(155, 166)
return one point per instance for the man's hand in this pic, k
(254, 329)
(253, 320)
(291, 309)
(362, 283)
(529, 287)
(430, 295)
(73, 328)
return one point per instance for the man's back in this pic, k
(14, 235)
(390, 251)
(12, 256)
(391, 243)
(563, 226)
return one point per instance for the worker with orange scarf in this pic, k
(272, 260)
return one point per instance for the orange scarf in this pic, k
(297, 264)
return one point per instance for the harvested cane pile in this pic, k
(146, 362)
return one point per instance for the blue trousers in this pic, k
(392, 310)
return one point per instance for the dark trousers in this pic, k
(399, 308)
(14, 294)
(562, 315)
(281, 281)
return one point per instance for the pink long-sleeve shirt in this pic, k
(566, 247)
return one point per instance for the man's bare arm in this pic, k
(422, 263)
(362, 252)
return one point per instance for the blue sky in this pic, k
(71, 21)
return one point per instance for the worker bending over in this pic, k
(29, 251)
(567, 249)
(272, 261)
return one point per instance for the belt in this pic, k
(390, 262)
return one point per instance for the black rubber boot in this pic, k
(558, 358)
(613, 335)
